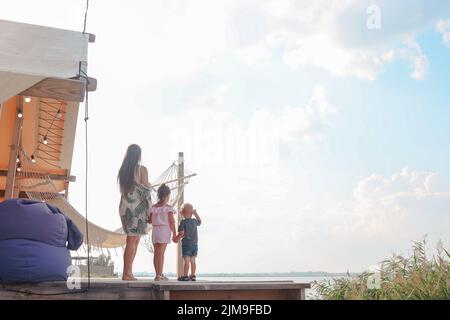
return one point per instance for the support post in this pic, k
(12, 166)
(180, 190)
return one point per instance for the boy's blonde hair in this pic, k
(186, 205)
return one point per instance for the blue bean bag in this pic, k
(34, 240)
(32, 261)
(26, 219)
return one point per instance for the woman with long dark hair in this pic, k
(135, 203)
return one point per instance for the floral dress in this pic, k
(134, 207)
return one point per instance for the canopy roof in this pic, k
(40, 81)
(30, 53)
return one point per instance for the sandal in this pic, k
(193, 277)
(183, 278)
(163, 277)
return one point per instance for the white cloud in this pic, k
(320, 51)
(213, 98)
(419, 62)
(443, 26)
(332, 35)
(389, 56)
(403, 206)
(255, 55)
(384, 215)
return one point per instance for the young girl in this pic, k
(163, 222)
(189, 245)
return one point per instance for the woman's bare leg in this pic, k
(128, 257)
(136, 245)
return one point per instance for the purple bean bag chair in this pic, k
(33, 242)
(32, 261)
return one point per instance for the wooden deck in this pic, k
(113, 289)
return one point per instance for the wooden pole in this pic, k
(180, 191)
(12, 167)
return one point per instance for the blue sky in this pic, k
(319, 144)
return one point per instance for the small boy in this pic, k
(189, 243)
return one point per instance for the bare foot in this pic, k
(127, 277)
(158, 278)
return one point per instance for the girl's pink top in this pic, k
(160, 215)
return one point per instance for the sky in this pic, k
(318, 129)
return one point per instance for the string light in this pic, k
(27, 99)
(19, 114)
(55, 117)
(18, 159)
(19, 167)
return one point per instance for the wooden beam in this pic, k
(61, 89)
(56, 177)
(91, 37)
(23, 194)
(92, 85)
(180, 194)
(11, 173)
(113, 289)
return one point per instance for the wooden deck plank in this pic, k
(164, 290)
(273, 294)
(229, 286)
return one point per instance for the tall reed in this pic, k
(412, 278)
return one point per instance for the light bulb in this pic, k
(27, 99)
(33, 159)
(59, 114)
(18, 159)
(19, 113)
(19, 167)
(45, 140)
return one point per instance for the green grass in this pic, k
(413, 278)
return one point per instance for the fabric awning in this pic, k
(30, 53)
